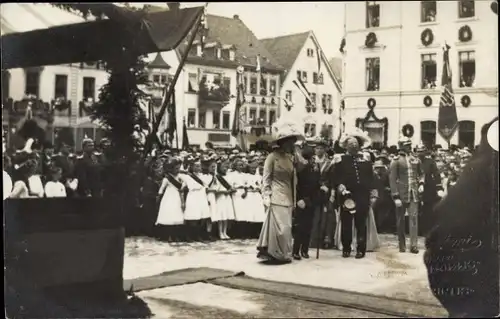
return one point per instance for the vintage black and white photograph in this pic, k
(250, 159)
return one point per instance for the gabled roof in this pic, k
(159, 63)
(336, 65)
(232, 31)
(285, 49)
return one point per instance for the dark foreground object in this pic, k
(462, 256)
(61, 254)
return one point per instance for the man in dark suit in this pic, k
(383, 209)
(324, 216)
(354, 179)
(432, 189)
(88, 171)
(308, 190)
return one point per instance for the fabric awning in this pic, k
(97, 40)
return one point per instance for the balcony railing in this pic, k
(29, 107)
(215, 93)
(61, 106)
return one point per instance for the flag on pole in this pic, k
(185, 138)
(447, 117)
(318, 55)
(303, 89)
(239, 120)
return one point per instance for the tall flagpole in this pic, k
(185, 54)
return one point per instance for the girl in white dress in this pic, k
(242, 208)
(255, 198)
(197, 209)
(172, 204)
(224, 211)
(210, 180)
(54, 188)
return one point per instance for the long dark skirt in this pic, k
(275, 240)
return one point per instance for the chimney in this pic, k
(236, 17)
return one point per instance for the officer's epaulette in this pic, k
(79, 156)
(97, 153)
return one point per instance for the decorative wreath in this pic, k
(465, 34)
(427, 37)
(427, 101)
(371, 39)
(330, 111)
(408, 130)
(308, 109)
(465, 100)
(371, 103)
(313, 108)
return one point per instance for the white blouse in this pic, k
(55, 189)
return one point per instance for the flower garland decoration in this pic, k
(465, 34)
(465, 100)
(427, 101)
(408, 130)
(427, 37)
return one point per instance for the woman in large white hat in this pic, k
(278, 191)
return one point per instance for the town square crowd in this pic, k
(218, 194)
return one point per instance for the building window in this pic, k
(428, 133)
(329, 101)
(320, 78)
(156, 79)
(310, 53)
(272, 117)
(288, 95)
(466, 8)
(317, 78)
(372, 14)
(202, 119)
(226, 120)
(429, 71)
(225, 54)
(302, 75)
(32, 83)
(372, 74)
(428, 11)
(226, 82)
(253, 116)
(218, 53)
(61, 86)
(245, 83)
(88, 88)
(467, 68)
(164, 79)
(193, 82)
(216, 119)
(330, 131)
(272, 87)
(263, 86)
(466, 134)
(262, 117)
(313, 98)
(323, 101)
(310, 129)
(191, 120)
(253, 84)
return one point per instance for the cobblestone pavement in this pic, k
(208, 301)
(386, 272)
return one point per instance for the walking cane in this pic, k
(319, 229)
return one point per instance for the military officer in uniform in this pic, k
(354, 179)
(88, 171)
(406, 180)
(432, 188)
